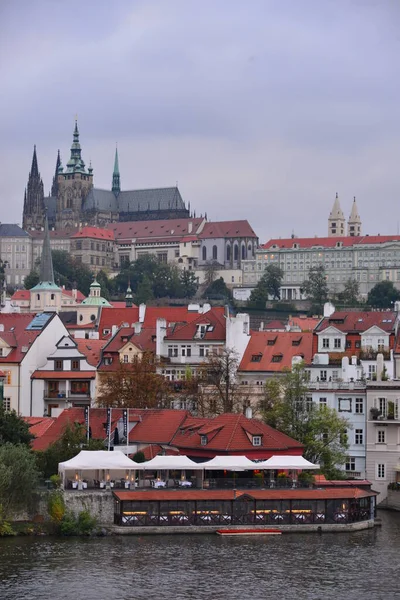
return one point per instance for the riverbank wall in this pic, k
(392, 500)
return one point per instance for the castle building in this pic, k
(74, 199)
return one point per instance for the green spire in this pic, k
(116, 187)
(46, 261)
(128, 296)
(75, 163)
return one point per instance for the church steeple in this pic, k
(129, 296)
(33, 215)
(75, 163)
(116, 186)
(354, 222)
(46, 261)
(336, 221)
(54, 187)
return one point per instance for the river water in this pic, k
(347, 566)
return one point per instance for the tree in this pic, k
(210, 271)
(351, 293)
(13, 429)
(31, 280)
(134, 385)
(144, 292)
(269, 285)
(218, 289)
(287, 407)
(219, 390)
(70, 272)
(316, 287)
(189, 284)
(72, 441)
(383, 295)
(18, 478)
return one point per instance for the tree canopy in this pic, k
(316, 287)
(287, 407)
(269, 285)
(13, 429)
(383, 295)
(19, 477)
(68, 271)
(218, 290)
(350, 296)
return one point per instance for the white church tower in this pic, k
(336, 221)
(354, 222)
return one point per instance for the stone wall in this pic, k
(392, 500)
(100, 504)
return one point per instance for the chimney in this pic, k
(190, 227)
(249, 412)
(142, 313)
(137, 327)
(114, 329)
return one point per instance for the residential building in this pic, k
(15, 254)
(25, 341)
(94, 247)
(66, 379)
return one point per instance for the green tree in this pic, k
(269, 285)
(19, 477)
(383, 295)
(288, 408)
(188, 283)
(107, 285)
(351, 293)
(218, 289)
(71, 442)
(31, 280)
(139, 457)
(316, 287)
(144, 291)
(210, 271)
(13, 429)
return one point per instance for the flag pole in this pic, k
(127, 431)
(109, 431)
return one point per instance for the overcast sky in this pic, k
(260, 110)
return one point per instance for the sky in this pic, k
(259, 109)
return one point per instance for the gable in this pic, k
(374, 330)
(331, 330)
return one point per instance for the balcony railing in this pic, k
(59, 395)
(336, 385)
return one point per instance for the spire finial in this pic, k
(337, 195)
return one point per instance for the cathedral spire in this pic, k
(75, 163)
(336, 220)
(46, 261)
(354, 222)
(33, 214)
(34, 167)
(54, 187)
(116, 186)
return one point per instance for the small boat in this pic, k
(253, 531)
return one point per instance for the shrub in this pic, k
(69, 525)
(86, 523)
(56, 506)
(56, 481)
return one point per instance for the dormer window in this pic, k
(106, 331)
(271, 342)
(256, 440)
(296, 342)
(203, 440)
(256, 357)
(277, 358)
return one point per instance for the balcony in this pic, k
(336, 385)
(63, 395)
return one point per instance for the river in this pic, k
(345, 566)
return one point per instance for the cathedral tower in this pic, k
(34, 210)
(74, 184)
(116, 185)
(336, 221)
(354, 222)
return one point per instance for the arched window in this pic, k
(52, 296)
(204, 251)
(38, 296)
(236, 252)
(243, 251)
(215, 253)
(228, 253)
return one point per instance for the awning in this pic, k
(88, 460)
(286, 462)
(170, 463)
(229, 463)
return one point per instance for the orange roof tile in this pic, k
(359, 321)
(95, 233)
(142, 231)
(16, 335)
(268, 351)
(223, 229)
(63, 375)
(91, 349)
(329, 242)
(21, 295)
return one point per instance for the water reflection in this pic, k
(361, 565)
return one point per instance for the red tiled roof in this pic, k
(223, 229)
(38, 426)
(63, 375)
(91, 349)
(359, 321)
(151, 231)
(274, 494)
(329, 242)
(79, 296)
(95, 233)
(274, 324)
(16, 335)
(158, 426)
(304, 323)
(119, 304)
(154, 449)
(233, 435)
(213, 318)
(21, 295)
(283, 347)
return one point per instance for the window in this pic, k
(322, 402)
(309, 403)
(126, 358)
(52, 296)
(186, 351)
(358, 436)
(256, 357)
(172, 351)
(75, 365)
(350, 464)
(203, 440)
(58, 365)
(359, 406)
(215, 253)
(335, 375)
(371, 371)
(37, 296)
(323, 375)
(344, 404)
(381, 437)
(277, 358)
(78, 245)
(381, 344)
(337, 342)
(7, 404)
(256, 440)
(325, 342)
(228, 253)
(236, 252)
(203, 350)
(204, 253)
(380, 471)
(381, 404)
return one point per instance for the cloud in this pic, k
(260, 110)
